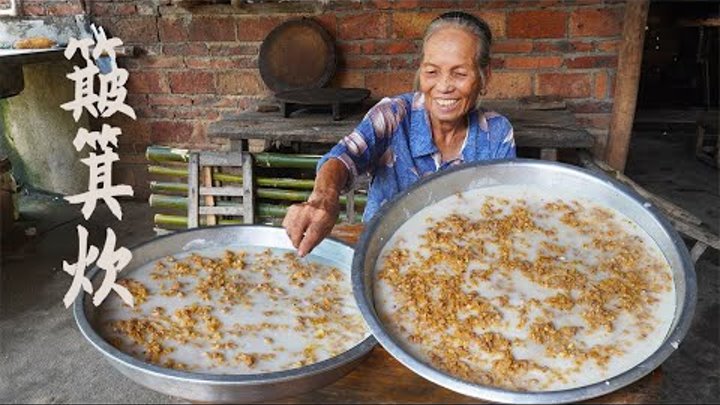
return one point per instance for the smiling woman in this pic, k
(404, 138)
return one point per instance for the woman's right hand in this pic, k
(308, 223)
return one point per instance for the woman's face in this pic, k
(448, 75)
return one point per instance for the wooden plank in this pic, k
(209, 199)
(237, 210)
(627, 82)
(208, 158)
(248, 189)
(697, 250)
(228, 191)
(193, 185)
(548, 154)
(550, 129)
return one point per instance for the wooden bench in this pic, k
(548, 127)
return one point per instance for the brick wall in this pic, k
(193, 65)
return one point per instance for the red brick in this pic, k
(601, 86)
(147, 82)
(343, 5)
(496, 21)
(170, 131)
(362, 62)
(532, 62)
(393, 47)
(169, 100)
(159, 62)
(596, 22)
(131, 29)
(537, 24)
(125, 9)
(242, 62)
(571, 85)
(147, 8)
(485, 4)
(97, 8)
(328, 22)
(563, 46)
(411, 25)
(33, 10)
(348, 78)
(404, 62)
(209, 29)
(349, 48)
(241, 83)
(509, 85)
(197, 114)
(232, 49)
(389, 83)
(132, 130)
(256, 28)
(159, 112)
(448, 4)
(383, 4)
(185, 49)
(215, 101)
(173, 29)
(608, 46)
(71, 8)
(191, 82)
(363, 26)
(589, 62)
(512, 46)
(497, 63)
(406, 4)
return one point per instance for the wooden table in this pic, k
(382, 379)
(535, 126)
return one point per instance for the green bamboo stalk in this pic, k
(300, 184)
(279, 160)
(165, 154)
(263, 210)
(263, 193)
(168, 187)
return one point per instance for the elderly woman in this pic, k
(403, 138)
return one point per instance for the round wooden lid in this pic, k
(297, 54)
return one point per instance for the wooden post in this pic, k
(626, 83)
(193, 190)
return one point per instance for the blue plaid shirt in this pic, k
(394, 144)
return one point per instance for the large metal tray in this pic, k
(558, 179)
(202, 387)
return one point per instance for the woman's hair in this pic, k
(473, 25)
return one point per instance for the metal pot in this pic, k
(558, 179)
(203, 387)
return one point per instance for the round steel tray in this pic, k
(205, 387)
(558, 179)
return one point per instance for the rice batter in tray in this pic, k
(244, 310)
(505, 287)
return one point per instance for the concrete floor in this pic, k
(44, 358)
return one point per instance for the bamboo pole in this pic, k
(626, 83)
(266, 193)
(280, 160)
(280, 182)
(177, 202)
(268, 213)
